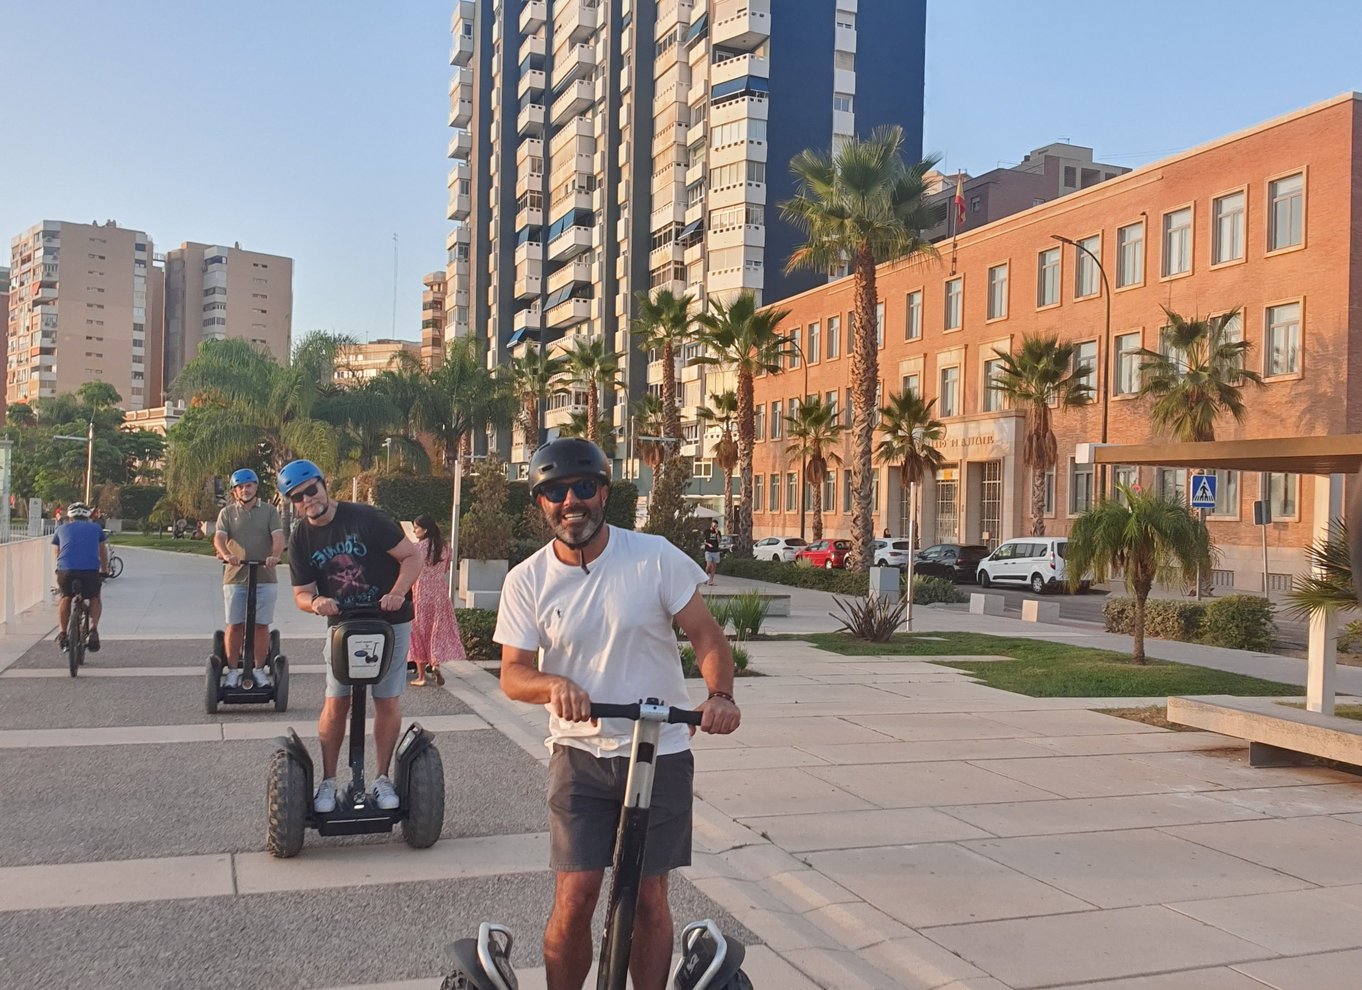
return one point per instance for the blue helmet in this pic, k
(296, 473)
(243, 477)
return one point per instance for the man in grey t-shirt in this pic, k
(248, 530)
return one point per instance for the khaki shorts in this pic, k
(585, 796)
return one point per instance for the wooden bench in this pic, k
(1278, 735)
(983, 604)
(777, 606)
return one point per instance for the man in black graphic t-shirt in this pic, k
(344, 555)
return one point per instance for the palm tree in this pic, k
(664, 323)
(648, 424)
(909, 431)
(863, 205)
(1148, 536)
(590, 367)
(605, 431)
(745, 339)
(464, 397)
(1200, 375)
(1036, 379)
(725, 451)
(1329, 586)
(364, 418)
(814, 431)
(532, 375)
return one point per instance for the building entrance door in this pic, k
(947, 507)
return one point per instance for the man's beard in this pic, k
(579, 529)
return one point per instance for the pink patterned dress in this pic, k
(434, 630)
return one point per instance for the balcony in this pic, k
(460, 108)
(572, 101)
(529, 216)
(460, 206)
(531, 81)
(740, 24)
(735, 68)
(528, 320)
(575, 19)
(530, 120)
(568, 313)
(459, 173)
(461, 145)
(461, 52)
(527, 181)
(530, 249)
(532, 16)
(456, 236)
(533, 45)
(529, 148)
(570, 235)
(577, 272)
(844, 39)
(463, 11)
(577, 62)
(529, 282)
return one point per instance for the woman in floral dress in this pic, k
(434, 630)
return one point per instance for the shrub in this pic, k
(692, 669)
(406, 497)
(485, 529)
(1164, 618)
(1240, 622)
(873, 618)
(747, 612)
(933, 590)
(476, 626)
(1350, 639)
(852, 583)
(622, 505)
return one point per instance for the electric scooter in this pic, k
(361, 653)
(250, 691)
(708, 960)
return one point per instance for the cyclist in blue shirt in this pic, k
(81, 555)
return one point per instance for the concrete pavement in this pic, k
(877, 822)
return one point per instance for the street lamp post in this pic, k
(1104, 378)
(89, 441)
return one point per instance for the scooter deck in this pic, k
(347, 821)
(246, 696)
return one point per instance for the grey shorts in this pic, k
(394, 681)
(711, 558)
(234, 600)
(585, 795)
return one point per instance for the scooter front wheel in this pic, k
(286, 798)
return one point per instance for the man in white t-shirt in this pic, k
(599, 603)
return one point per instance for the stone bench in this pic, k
(1034, 611)
(982, 604)
(777, 606)
(481, 599)
(1278, 735)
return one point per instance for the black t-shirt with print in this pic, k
(348, 558)
(712, 541)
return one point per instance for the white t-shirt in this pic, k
(610, 631)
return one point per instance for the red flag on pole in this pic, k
(959, 201)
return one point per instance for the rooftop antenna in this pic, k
(394, 333)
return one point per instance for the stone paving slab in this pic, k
(852, 829)
(1095, 776)
(1219, 978)
(1055, 817)
(1139, 742)
(739, 794)
(1298, 800)
(1327, 971)
(1321, 850)
(1292, 923)
(913, 785)
(1231, 769)
(928, 751)
(948, 725)
(118, 651)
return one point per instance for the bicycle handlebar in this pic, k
(646, 710)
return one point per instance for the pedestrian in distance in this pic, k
(346, 555)
(435, 630)
(711, 550)
(248, 529)
(599, 602)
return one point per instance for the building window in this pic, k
(759, 422)
(1124, 476)
(1283, 492)
(997, 292)
(993, 399)
(1226, 494)
(776, 422)
(1171, 483)
(830, 400)
(795, 350)
(791, 492)
(1286, 212)
(1050, 492)
(879, 325)
(1283, 340)
(1087, 279)
(834, 336)
(1085, 353)
(912, 383)
(1047, 278)
(948, 403)
(841, 101)
(830, 491)
(1080, 488)
(813, 350)
(954, 293)
(847, 408)
(846, 490)
(1130, 255)
(773, 496)
(1126, 359)
(1227, 228)
(912, 325)
(1177, 242)
(757, 505)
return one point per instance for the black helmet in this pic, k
(567, 457)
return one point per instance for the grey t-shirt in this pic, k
(250, 536)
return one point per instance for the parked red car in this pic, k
(825, 553)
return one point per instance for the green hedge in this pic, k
(476, 626)
(407, 497)
(926, 590)
(1239, 622)
(623, 504)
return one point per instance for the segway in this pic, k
(361, 653)
(249, 691)
(709, 961)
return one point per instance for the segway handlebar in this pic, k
(651, 710)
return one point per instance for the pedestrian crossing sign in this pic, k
(1203, 491)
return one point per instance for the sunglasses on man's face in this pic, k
(584, 489)
(302, 493)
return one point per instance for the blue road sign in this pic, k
(1203, 491)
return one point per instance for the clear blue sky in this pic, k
(318, 130)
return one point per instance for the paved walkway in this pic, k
(876, 823)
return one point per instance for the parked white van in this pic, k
(1036, 562)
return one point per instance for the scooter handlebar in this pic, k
(635, 711)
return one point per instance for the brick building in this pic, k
(1262, 221)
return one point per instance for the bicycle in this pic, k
(115, 567)
(77, 628)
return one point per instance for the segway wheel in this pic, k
(274, 642)
(286, 800)
(220, 646)
(212, 685)
(425, 800)
(280, 673)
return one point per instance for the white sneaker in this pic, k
(385, 795)
(234, 677)
(261, 677)
(325, 801)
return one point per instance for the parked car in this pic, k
(725, 544)
(825, 553)
(778, 548)
(891, 553)
(1036, 562)
(955, 561)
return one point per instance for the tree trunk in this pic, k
(864, 379)
(816, 505)
(728, 501)
(1137, 648)
(1037, 501)
(742, 523)
(592, 414)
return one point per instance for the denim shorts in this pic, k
(234, 598)
(585, 796)
(394, 681)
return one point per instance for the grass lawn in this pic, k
(1057, 670)
(162, 541)
(1342, 711)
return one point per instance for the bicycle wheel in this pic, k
(115, 566)
(75, 640)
